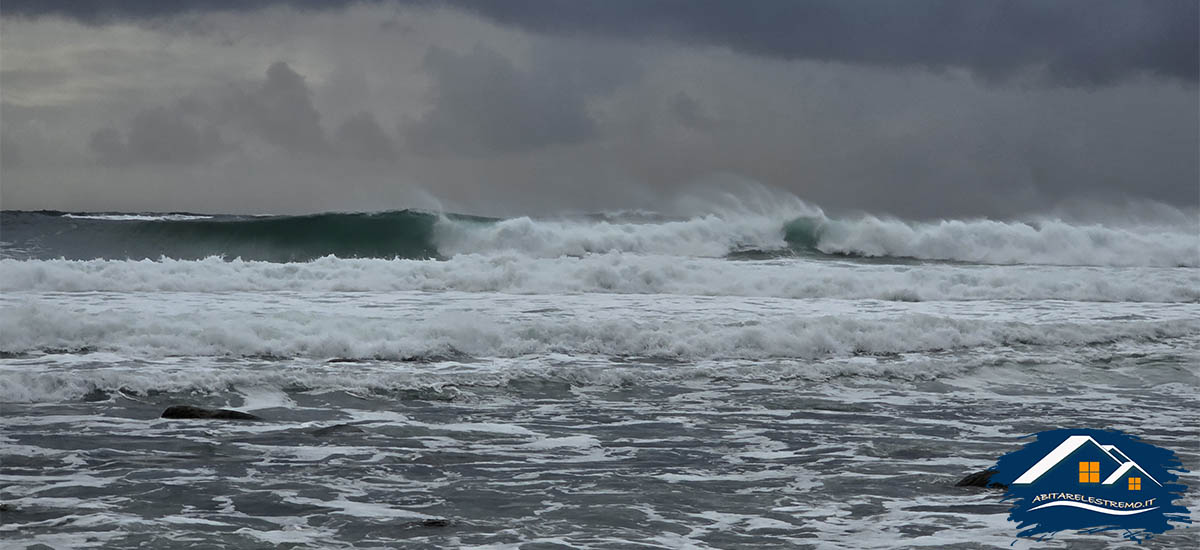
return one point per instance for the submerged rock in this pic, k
(435, 522)
(190, 412)
(981, 479)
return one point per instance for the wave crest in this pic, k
(791, 229)
(995, 242)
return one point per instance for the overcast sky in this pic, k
(924, 109)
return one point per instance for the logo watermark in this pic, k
(1092, 481)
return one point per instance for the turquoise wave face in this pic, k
(803, 234)
(399, 234)
(407, 234)
(410, 234)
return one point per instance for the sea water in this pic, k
(725, 380)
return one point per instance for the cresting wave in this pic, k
(101, 375)
(1050, 242)
(40, 326)
(612, 273)
(272, 238)
(793, 229)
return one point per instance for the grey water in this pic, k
(577, 384)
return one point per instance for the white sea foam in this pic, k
(1048, 241)
(137, 217)
(614, 273)
(711, 235)
(772, 222)
(1042, 242)
(47, 379)
(677, 332)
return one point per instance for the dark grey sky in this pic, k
(1078, 42)
(923, 109)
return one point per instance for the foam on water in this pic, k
(263, 384)
(1051, 241)
(709, 463)
(611, 273)
(786, 225)
(137, 217)
(755, 373)
(676, 328)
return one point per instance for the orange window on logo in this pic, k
(1089, 472)
(1135, 484)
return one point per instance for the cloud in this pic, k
(1066, 42)
(503, 121)
(688, 112)
(483, 104)
(281, 111)
(1072, 42)
(158, 136)
(278, 111)
(10, 152)
(102, 11)
(360, 136)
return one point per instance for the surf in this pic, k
(789, 231)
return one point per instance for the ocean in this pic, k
(740, 378)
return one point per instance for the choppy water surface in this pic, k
(594, 391)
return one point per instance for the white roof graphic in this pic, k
(1113, 449)
(1072, 444)
(1125, 468)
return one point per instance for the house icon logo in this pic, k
(1092, 481)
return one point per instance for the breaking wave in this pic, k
(39, 326)
(111, 375)
(1051, 242)
(792, 229)
(615, 273)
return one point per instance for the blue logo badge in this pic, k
(1092, 481)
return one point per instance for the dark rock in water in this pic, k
(338, 429)
(189, 412)
(435, 522)
(6, 507)
(981, 479)
(96, 395)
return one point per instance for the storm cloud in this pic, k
(159, 135)
(281, 111)
(483, 104)
(922, 109)
(278, 111)
(362, 137)
(1070, 42)
(1066, 42)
